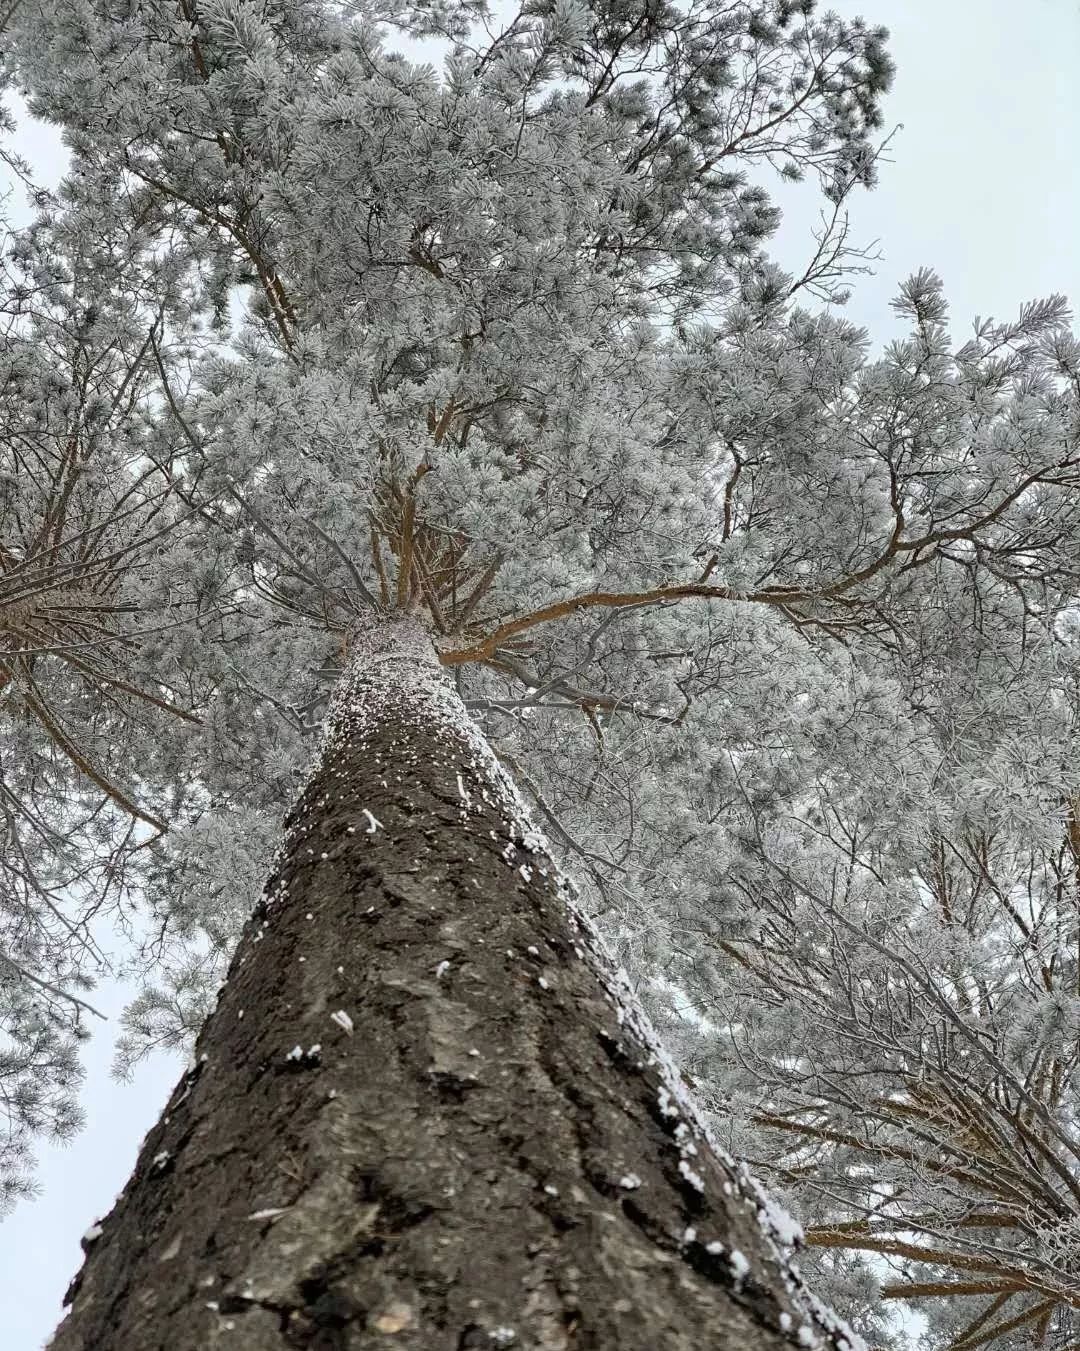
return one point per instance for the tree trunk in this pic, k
(424, 1114)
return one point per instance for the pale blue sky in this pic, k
(983, 187)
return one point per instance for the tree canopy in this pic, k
(781, 640)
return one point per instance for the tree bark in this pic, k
(425, 1114)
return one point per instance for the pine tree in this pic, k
(82, 529)
(519, 381)
(890, 997)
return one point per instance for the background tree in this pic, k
(902, 1001)
(84, 522)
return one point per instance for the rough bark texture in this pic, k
(420, 1117)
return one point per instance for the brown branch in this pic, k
(52, 989)
(133, 690)
(480, 590)
(64, 742)
(380, 571)
(443, 424)
(1000, 1329)
(925, 1289)
(405, 552)
(992, 1310)
(959, 1261)
(486, 647)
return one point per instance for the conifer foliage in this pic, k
(765, 630)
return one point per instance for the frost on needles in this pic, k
(778, 642)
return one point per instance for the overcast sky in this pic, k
(983, 187)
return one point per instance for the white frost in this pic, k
(667, 1107)
(776, 1221)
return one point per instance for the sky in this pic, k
(984, 187)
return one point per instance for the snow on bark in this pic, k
(483, 1143)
